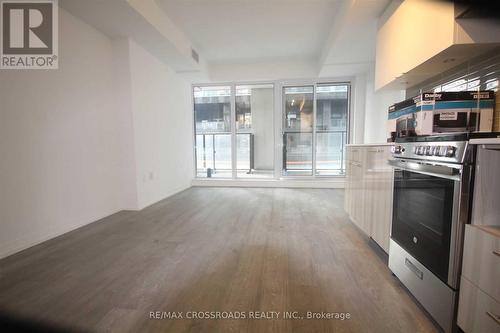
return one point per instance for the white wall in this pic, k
(358, 106)
(123, 100)
(376, 109)
(109, 130)
(161, 104)
(59, 143)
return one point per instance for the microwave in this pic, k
(456, 121)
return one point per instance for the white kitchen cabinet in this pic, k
(481, 259)
(353, 204)
(378, 195)
(368, 191)
(477, 311)
(423, 38)
(485, 209)
(479, 304)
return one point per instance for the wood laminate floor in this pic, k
(213, 249)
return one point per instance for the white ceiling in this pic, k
(242, 39)
(355, 41)
(239, 31)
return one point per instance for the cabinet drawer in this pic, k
(477, 312)
(354, 154)
(481, 260)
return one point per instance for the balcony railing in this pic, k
(330, 146)
(213, 152)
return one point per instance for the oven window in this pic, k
(422, 217)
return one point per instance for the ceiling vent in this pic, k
(195, 56)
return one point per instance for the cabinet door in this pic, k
(477, 311)
(351, 185)
(348, 183)
(378, 195)
(369, 178)
(358, 189)
(486, 210)
(354, 191)
(481, 260)
(364, 221)
(369, 191)
(382, 209)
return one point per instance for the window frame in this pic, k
(278, 118)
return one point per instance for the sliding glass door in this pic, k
(254, 131)
(251, 133)
(332, 106)
(315, 123)
(235, 130)
(298, 130)
(212, 113)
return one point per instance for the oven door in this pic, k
(426, 213)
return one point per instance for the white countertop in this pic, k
(369, 144)
(485, 141)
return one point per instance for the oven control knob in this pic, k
(420, 150)
(441, 151)
(450, 151)
(436, 150)
(397, 150)
(428, 151)
(415, 239)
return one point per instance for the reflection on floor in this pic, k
(214, 250)
(323, 172)
(257, 174)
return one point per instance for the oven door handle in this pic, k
(441, 170)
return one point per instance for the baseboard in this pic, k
(23, 243)
(172, 193)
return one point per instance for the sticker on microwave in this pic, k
(448, 116)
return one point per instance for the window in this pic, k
(332, 104)
(314, 138)
(235, 130)
(254, 131)
(253, 128)
(298, 130)
(212, 110)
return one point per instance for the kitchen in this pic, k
(431, 184)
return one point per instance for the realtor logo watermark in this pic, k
(29, 34)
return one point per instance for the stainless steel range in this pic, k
(431, 201)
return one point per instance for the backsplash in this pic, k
(481, 73)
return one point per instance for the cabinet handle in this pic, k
(492, 316)
(495, 252)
